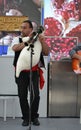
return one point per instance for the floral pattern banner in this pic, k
(62, 18)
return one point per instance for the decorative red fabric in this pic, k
(42, 81)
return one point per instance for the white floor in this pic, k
(45, 124)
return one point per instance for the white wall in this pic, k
(8, 86)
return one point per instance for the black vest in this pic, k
(16, 58)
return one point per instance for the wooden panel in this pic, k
(11, 23)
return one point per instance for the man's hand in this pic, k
(41, 38)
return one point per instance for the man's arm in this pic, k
(19, 45)
(45, 47)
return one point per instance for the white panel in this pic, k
(8, 86)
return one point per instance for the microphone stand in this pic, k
(31, 53)
(32, 39)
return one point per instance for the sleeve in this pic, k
(15, 41)
(73, 51)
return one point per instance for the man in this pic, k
(23, 81)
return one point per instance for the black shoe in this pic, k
(25, 123)
(36, 122)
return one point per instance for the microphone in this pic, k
(35, 35)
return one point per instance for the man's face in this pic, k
(25, 29)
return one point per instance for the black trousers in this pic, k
(23, 83)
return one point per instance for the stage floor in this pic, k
(45, 124)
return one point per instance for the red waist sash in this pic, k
(41, 80)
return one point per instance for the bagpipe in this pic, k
(23, 62)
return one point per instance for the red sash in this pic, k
(41, 80)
